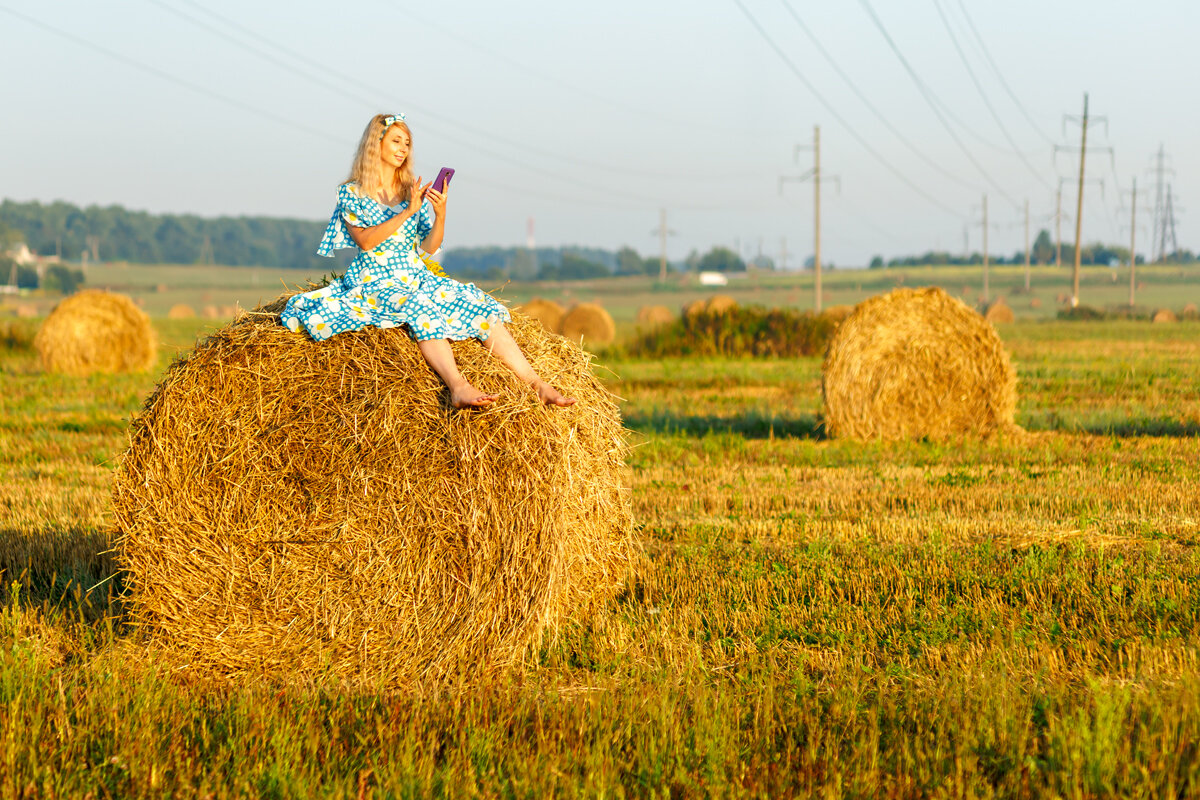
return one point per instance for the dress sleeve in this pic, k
(349, 211)
(424, 221)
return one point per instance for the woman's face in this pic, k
(395, 146)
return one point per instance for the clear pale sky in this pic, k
(590, 117)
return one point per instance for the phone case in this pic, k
(443, 179)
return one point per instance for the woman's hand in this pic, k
(416, 193)
(438, 201)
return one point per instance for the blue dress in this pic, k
(389, 285)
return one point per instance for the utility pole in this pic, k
(1058, 229)
(783, 252)
(815, 175)
(1132, 240)
(1168, 227)
(1079, 207)
(1083, 121)
(986, 294)
(1160, 171)
(663, 232)
(1026, 245)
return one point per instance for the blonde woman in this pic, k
(386, 213)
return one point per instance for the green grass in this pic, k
(810, 617)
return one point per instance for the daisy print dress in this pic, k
(389, 286)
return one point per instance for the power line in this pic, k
(833, 112)
(878, 114)
(999, 74)
(986, 101)
(931, 100)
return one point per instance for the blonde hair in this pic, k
(366, 170)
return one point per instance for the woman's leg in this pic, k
(462, 394)
(501, 344)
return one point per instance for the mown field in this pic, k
(811, 618)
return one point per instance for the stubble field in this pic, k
(809, 618)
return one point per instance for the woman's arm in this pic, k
(433, 240)
(373, 236)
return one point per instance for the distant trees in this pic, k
(721, 259)
(1042, 250)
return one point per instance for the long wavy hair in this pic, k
(371, 176)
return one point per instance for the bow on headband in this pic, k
(388, 122)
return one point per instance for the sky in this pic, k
(592, 118)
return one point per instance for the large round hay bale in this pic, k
(590, 322)
(96, 331)
(306, 508)
(654, 316)
(1164, 315)
(547, 312)
(916, 363)
(999, 313)
(181, 311)
(211, 312)
(720, 304)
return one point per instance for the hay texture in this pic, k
(181, 311)
(317, 509)
(1164, 315)
(999, 313)
(95, 331)
(720, 304)
(590, 323)
(547, 312)
(917, 363)
(654, 316)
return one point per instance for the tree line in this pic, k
(1042, 251)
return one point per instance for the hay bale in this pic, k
(589, 322)
(998, 313)
(162, 288)
(547, 312)
(1190, 310)
(96, 331)
(1164, 315)
(181, 311)
(916, 363)
(694, 309)
(720, 304)
(838, 313)
(212, 312)
(27, 311)
(1035, 302)
(654, 316)
(308, 508)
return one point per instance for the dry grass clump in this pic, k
(916, 363)
(653, 316)
(96, 331)
(181, 311)
(547, 312)
(312, 508)
(720, 304)
(838, 313)
(1164, 315)
(590, 322)
(999, 313)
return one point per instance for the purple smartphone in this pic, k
(442, 180)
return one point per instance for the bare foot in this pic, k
(467, 396)
(553, 397)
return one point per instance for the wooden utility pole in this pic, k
(1079, 207)
(986, 296)
(783, 252)
(1058, 230)
(816, 177)
(663, 232)
(1132, 241)
(1027, 244)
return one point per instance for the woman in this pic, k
(381, 211)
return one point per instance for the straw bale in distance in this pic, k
(590, 322)
(916, 363)
(96, 331)
(694, 308)
(181, 311)
(212, 312)
(547, 312)
(654, 316)
(720, 304)
(999, 313)
(1164, 315)
(1035, 302)
(316, 509)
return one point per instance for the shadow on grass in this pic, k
(1123, 427)
(60, 568)
(748, 426)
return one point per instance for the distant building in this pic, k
(21, 254)
(713, 279)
